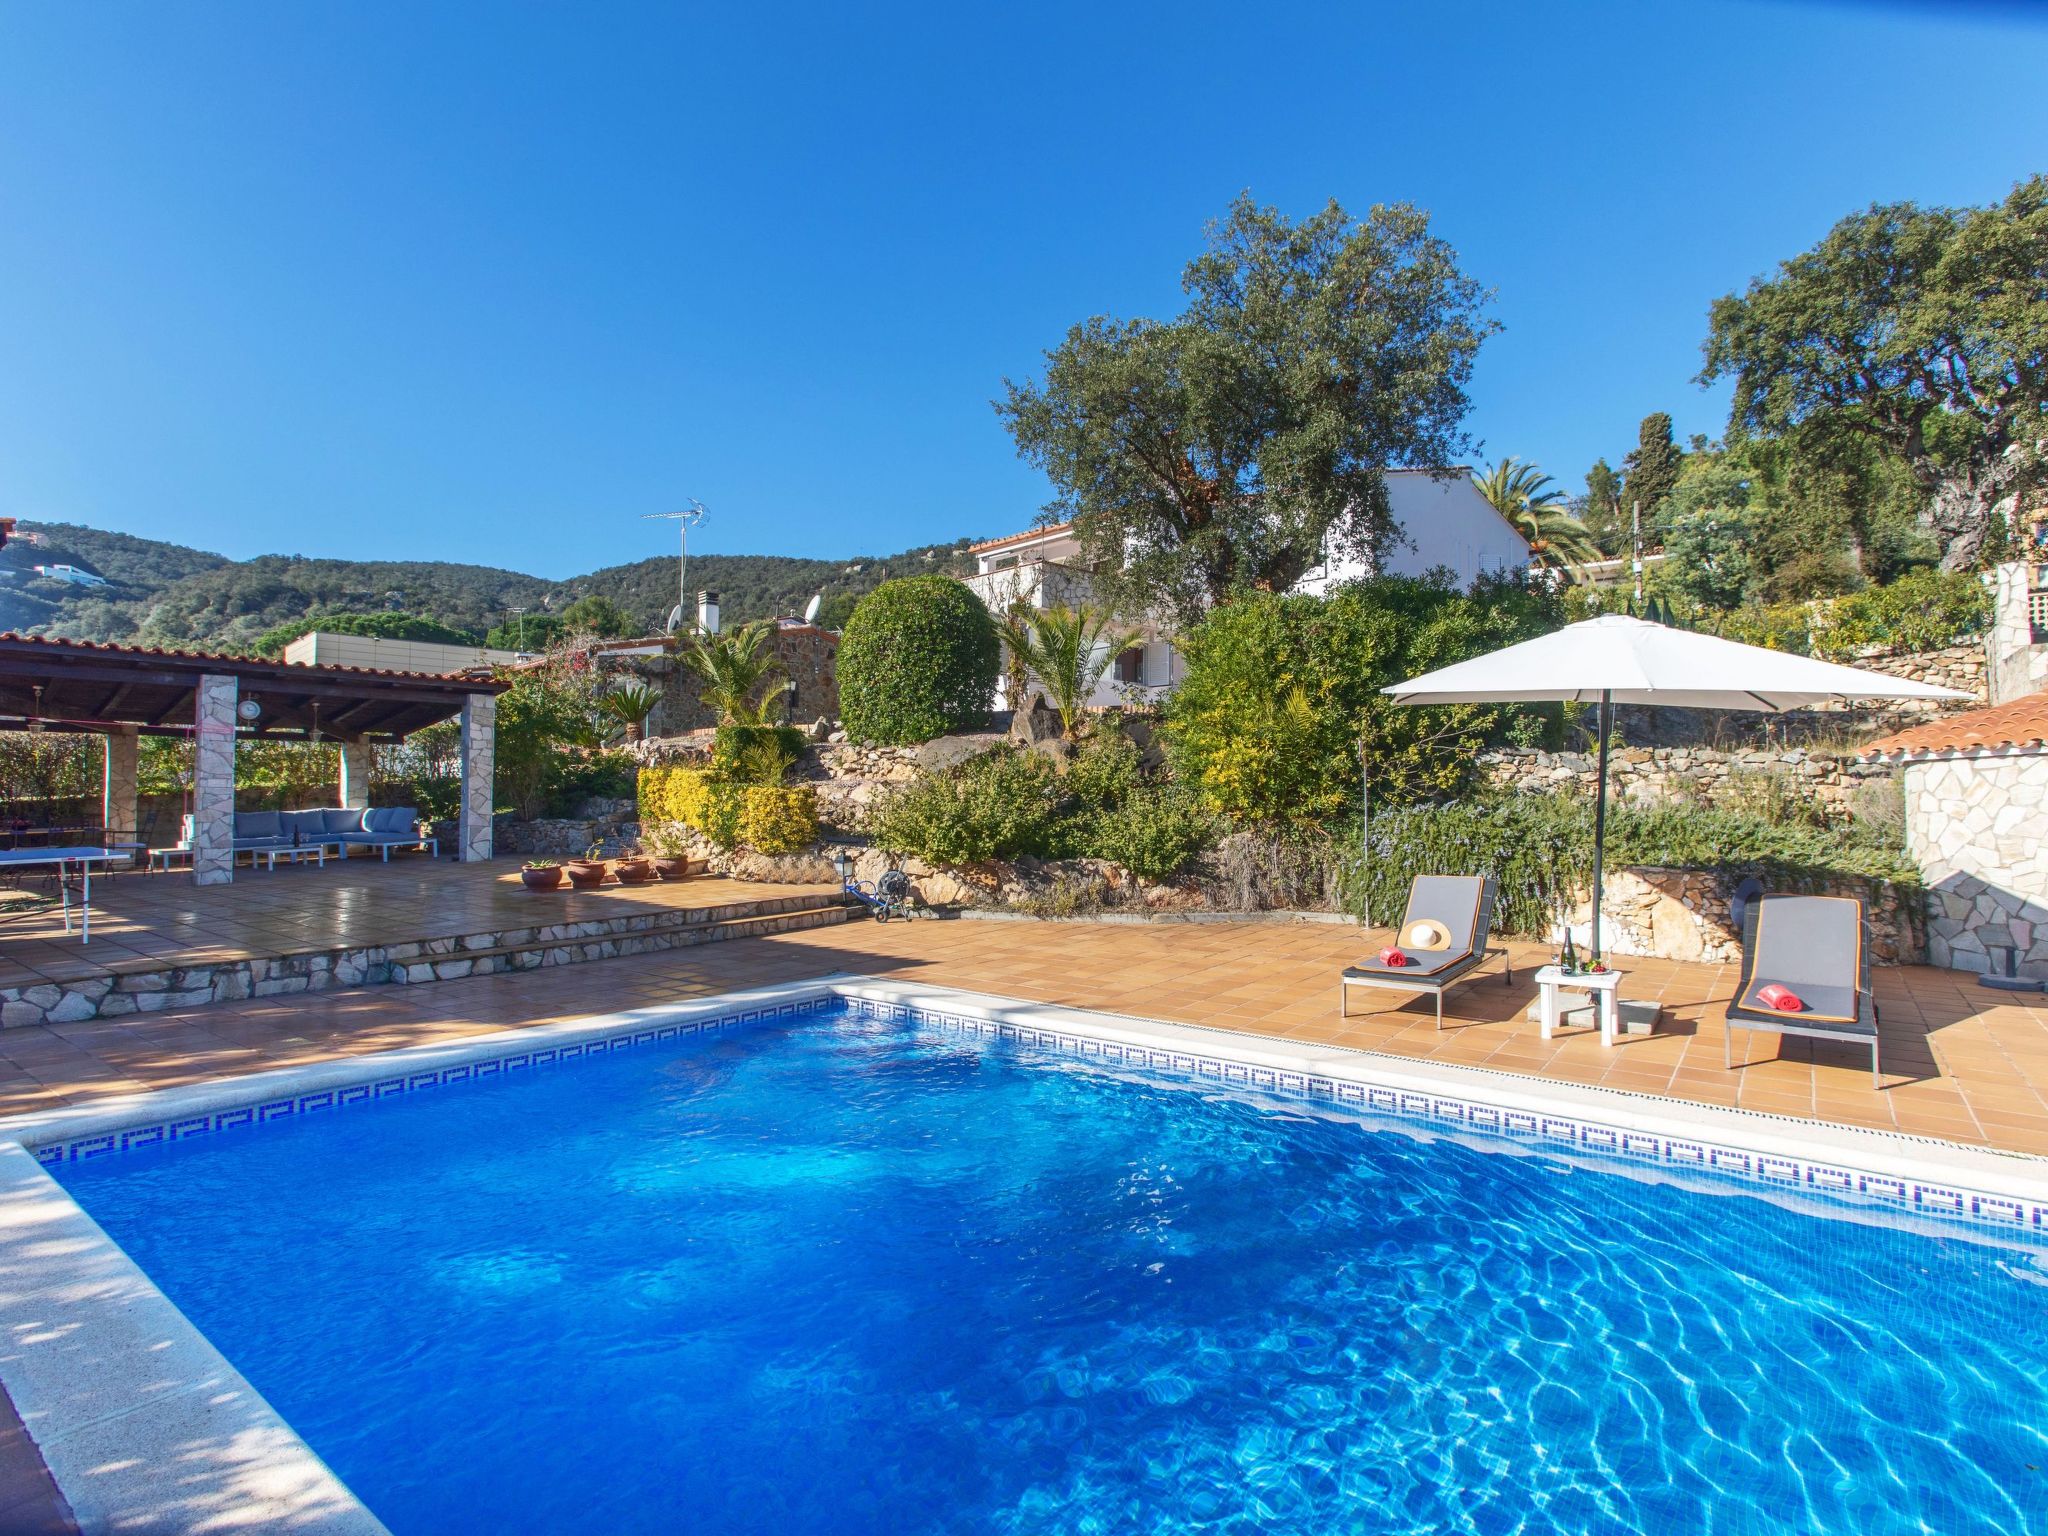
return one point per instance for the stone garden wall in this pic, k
(1979, 827)
(1695, 775)
(1684, 914)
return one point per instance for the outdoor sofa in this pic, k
(384, 828)
(1443, 934)
(1817, 948)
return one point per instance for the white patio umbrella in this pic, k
(1615, 659)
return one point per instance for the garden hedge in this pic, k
(918, 659)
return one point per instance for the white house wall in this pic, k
(1442, 523)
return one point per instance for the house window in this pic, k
(1130, 665)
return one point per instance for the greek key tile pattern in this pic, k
(1689, 1154)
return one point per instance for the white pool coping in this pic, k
(145, 1427)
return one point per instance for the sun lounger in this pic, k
(1817, 949)
(1443, 935)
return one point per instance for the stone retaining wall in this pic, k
(131, 991)
(1684, 914)
(1839, 787)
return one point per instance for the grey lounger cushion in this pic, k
(1454, 901)
(1814, 947)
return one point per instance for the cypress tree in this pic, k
(1652, 469)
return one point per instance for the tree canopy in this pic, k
(1231, 447)
(1921, 330)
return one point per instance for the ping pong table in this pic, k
(64, 858)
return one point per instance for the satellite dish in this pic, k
(811, 608)
(675, 618)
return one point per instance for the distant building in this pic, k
(322, 648)
(71, 574)
(1442, 522)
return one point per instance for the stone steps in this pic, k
(140, 986)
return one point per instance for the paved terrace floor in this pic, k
(143, 921)
(1961, 1063)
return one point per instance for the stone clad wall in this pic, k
(809, 656)
(1979, 827)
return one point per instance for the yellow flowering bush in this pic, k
(773, 819)
(769, 818)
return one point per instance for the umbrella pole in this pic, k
(1600, 813)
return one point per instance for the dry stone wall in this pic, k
(1654, 775)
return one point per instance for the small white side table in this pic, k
(1602, 987)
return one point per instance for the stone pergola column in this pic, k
(357, 758)
(120, 804)
(479, 753)
(213, 780)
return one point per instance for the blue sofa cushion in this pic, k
(390, 820)
(306, 826)
(258, 824)
(333, 821)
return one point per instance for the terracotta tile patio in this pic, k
(1961, 1063)
(149, 921)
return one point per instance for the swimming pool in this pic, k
(845, 1273)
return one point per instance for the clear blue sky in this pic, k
(487, 282)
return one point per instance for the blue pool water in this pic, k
(844, 1275)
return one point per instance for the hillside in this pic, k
(166, 594)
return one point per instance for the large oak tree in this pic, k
(1921, 330)
(1231, 447)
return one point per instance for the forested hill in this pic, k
(166, 594)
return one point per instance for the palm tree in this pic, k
(1068, 650)
(735, 666)
(1533, 503)
(630, 703)
(1016, 629)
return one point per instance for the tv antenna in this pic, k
(690, 517)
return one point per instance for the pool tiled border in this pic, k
(1955, 1184)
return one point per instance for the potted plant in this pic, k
(541, 875)
(588, 872)
(672, 859)
(632, 869)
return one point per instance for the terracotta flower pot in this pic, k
(548, 879)
(677, 867)
(633, 871)
(586, 874)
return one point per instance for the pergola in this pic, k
(126, 692)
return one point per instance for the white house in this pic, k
(1442, 521)
(72, 575)
(1441, 518)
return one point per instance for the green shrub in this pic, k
(1540, 847)
(1279, 692)
(773, 819)
(736, 750)
(1103, 771)
(1922, 611)
(1156, 832)
(918, 659)
(1001, 805)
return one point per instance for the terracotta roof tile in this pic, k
(2021, 722)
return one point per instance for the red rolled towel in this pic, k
(1781, 998)
(1392, 956)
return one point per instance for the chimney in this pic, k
(707, 613)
